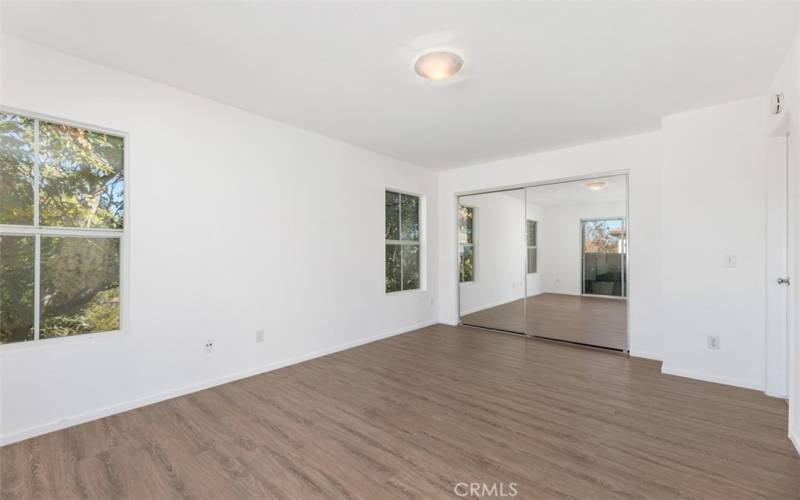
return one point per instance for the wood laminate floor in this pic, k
(594, 321)
(413, 415)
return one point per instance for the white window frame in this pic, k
(473, 245)
(37, 231)
(421, 243)
(529, 247)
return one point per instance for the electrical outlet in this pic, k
(209, 345)
(713, 342)
(730, 261)
(259, 336)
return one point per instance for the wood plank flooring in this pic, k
(595, 321)
(413, 415)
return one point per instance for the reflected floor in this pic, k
(588, 320)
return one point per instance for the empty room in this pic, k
(379, 250)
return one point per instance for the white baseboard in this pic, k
(449, 322)
(181, 391)
(646, 355)
(709, 377)
(795, 441)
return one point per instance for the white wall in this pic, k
(499, 251)
(713, 205)
(640, 155)
(560, 260)
(236, 223)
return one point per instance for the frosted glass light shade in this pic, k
(438, 65)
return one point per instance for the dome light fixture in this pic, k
(596, 185)
(438, 65)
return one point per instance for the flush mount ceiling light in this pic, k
(596, 185)
(438, 65)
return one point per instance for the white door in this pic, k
(777, 351)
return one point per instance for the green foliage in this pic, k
(81, 178)
(16, 288)
(467, 264)
(79, 276)
(603, 236)
(16, 169)
(393, 273)
(82, 185)
(99, 315)
(466, 240)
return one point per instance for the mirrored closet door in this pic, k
(548, 261)
(576, 289)
(492, 259)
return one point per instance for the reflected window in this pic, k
(466, 244)
(533, 253)
(402, 233)
(62, 199)
(604, 247)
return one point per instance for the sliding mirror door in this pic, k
(576, 262)
(492, 252)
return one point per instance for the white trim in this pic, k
(37, 171)
(710, 377)
(81, 232)
(188, 389)
(795, 441)
(37, 287)
(49, 342)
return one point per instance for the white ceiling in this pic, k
(577, 192)
(537, 76)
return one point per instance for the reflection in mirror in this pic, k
(577, 256)
(492, 259)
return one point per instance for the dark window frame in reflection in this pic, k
(403, 256)
(87, 211)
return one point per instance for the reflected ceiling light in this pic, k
(438, 65)
(596, 185)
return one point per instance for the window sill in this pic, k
(406, 292)
(36, 344)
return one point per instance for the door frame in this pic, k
(782, 130)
